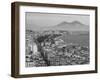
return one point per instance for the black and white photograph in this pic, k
(56, 39)
(53, 39)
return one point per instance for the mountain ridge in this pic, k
(70, 26)
(64, 25)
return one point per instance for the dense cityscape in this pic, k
(56, 48)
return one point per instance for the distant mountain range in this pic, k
(68, 26)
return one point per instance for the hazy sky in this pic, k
(45, 19)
